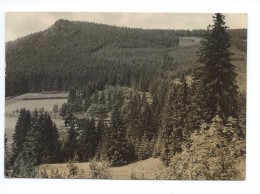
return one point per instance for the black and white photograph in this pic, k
(125, 96)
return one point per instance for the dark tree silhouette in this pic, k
(218, 73)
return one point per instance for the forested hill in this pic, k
(81, 53)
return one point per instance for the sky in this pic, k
(19, 24)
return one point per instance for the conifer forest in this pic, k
(89, 100)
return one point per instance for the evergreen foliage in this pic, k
(82, 54)
(89, 140)
(215, 154)
(21, 128)
(117, 144)
(71, 145)
(40, 143)
(218, 73)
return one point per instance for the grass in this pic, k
(149, 169)
(146, 169)
(47, 104)
(35, 96)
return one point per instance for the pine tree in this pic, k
(156, 109)
(7, 158)
(165, 133)
(170, 135)
(100, 138)
(134, 119)
(147, 122)
(72, 97)
(28, 158)
(71, 145)
(88, 140)
(21, 128)
(198, 111)
(117, 143)
(218, 73)
(51, 152)
(41, 145)
(145, 141)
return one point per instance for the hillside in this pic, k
(63, 55)
(77, 54)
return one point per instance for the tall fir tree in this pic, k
(88, 140)
(117, 143)
(134, 118)
(71, 145)
(21, 128)
(100, 138)
(29, 156)
(51, 152)
(7, 158)
(147, 121)
(171, 133)
(218, 73)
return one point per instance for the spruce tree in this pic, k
(147, 121)
(29, 156)
(173, 123)
(117, 143)
(40, 145)
(166, 141)
(51, 147)
(71, 145)
(100, 138)
(134, 118)
(7, 158)
(88, 140)
(21, 128)
(218, 73)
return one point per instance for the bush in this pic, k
(53, 174)
(99, 170)
(73, 169)
(134, 176)
(215, 154)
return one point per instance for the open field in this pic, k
(47, 104)
(35, 96)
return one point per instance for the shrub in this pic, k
(99, 170)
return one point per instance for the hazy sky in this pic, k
(19, 24)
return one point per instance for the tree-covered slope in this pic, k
(81, 53)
